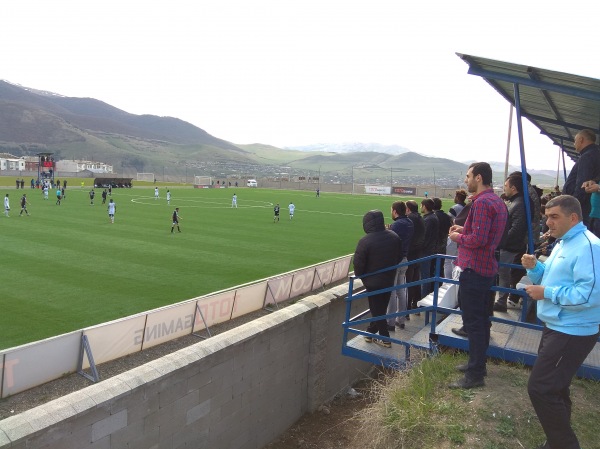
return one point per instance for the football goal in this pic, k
(202, 180)
(145, 177)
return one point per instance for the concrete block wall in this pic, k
(237, 390)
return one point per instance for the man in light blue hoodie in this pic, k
(568, 291)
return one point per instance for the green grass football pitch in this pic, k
(67, 267)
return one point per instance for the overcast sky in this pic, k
(299, 72)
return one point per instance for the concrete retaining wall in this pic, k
(238, 389)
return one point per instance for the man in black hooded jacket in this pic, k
(379, 249)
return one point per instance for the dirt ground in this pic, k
(334, 426)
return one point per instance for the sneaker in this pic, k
(391, 328)
(460, 331)
(498, 307)
(400, 325)
(385, 344)
(513, 304)
(368, 339)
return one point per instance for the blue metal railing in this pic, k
(432, 314)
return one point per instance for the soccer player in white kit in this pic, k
(112, 206)
(234, 201)
(155, 193)
(6, 205)
(168, 197)
(291, 207)
(46, 190)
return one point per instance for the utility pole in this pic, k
(319, 185)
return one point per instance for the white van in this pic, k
(251, 183)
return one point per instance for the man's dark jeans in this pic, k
(594, 226)
(413, 274)
(378, 305)
(473, 296)
(425, 271)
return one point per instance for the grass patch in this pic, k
(415, 409)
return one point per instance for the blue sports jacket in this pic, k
(570, 275)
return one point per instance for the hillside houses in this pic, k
(9, 162)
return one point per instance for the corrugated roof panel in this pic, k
(559, 104)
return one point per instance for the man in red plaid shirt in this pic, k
(477, 241)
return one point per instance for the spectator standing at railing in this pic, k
(379, 249)
(430, 244)
(567, 293)
(413, 273)
(460, 220)
(404, 227)
(514, 243)
(460, 198)
(477, 242)
(587, 167)
(452, 247)
(445, 222)
(535, 205)
(593, 188)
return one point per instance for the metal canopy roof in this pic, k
(559, 104)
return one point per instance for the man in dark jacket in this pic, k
(430, 243)
(444, 225)
(514, 242)
(587, 167)
(404, 227)
(413, 273)
(535, 205)
(379, 249)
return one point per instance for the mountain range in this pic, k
(33, 121)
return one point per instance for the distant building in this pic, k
(66, 165)
(10, 162)
(31, 163)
